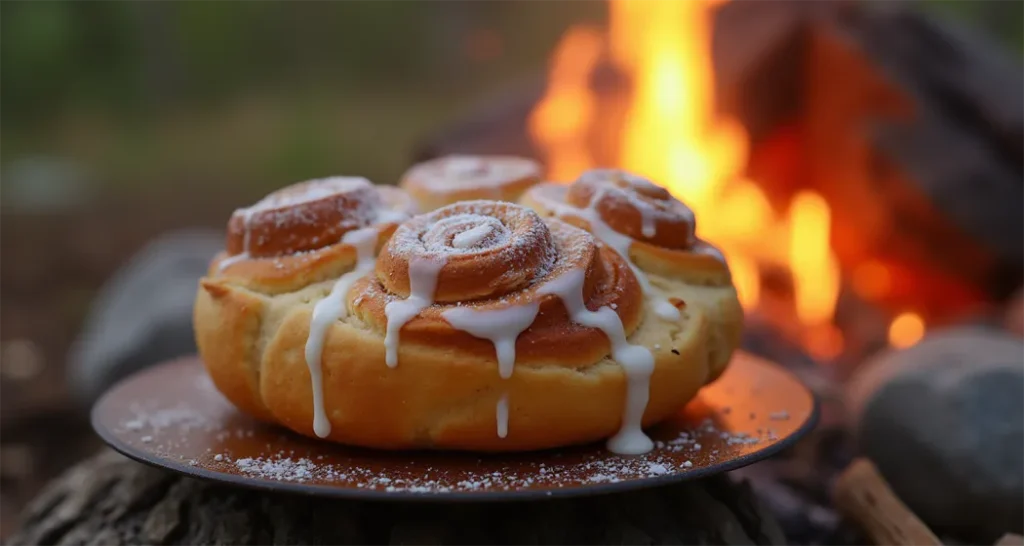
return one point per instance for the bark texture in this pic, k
(110, 499)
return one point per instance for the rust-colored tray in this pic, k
(171, 416)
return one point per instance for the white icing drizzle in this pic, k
(620, 243)
(636, 360)
(648, 225)
(423, 274)
(329, 310)
(472, 236)
(501, 326)
(502, 415)
(634, 189)
(392, 216)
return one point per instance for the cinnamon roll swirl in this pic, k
(455, 178)
(480, 326)
(298, 236)
(655, 233)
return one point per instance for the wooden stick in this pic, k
(863, 496)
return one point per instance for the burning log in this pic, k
(916, 160)
(759, 51)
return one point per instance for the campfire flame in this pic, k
(672, 135)
(906, 330)
(560, 121)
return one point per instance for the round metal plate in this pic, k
(172, 417)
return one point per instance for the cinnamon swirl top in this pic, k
(293, 235)
(634, 206)
(642, 221)
(455, 178)
(492, 256)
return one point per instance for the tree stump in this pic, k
(110, 499)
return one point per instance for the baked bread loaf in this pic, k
(479, 326)
(656, 234)
(309, 233)
(455, 178)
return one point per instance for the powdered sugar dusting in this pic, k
(360, 204)
(465, 234)
(460, 172)
(178, 422)
(515, 237)
(181, 418)
(312, 190)
(559, 470)
(653, 202)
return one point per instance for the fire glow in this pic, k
(671, 134)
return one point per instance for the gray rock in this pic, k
(42, 184)
(143, 315)
(944, 422)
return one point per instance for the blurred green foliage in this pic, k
(265, 93)
(125, 55)
(260, 92)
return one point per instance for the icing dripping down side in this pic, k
(501, 326)
(502, 415)
(329, 310)
(423, 274)
(648, 224)
(637, 361)
(620, 243)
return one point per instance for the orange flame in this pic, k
(672, 135)
(560, 121)
(906, 330)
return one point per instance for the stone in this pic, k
(143, 314)
(944, 423)
(44, 184)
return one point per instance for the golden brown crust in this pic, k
(446, 398)
(292, 237)
(227, 321)
(441, 397)
(564, 388)
(678, 265)
(454, 178)
(533, 252)
(302, 217)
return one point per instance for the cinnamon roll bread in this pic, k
(478, 326)
(311, 233)
(455, 178)
(655, 233)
